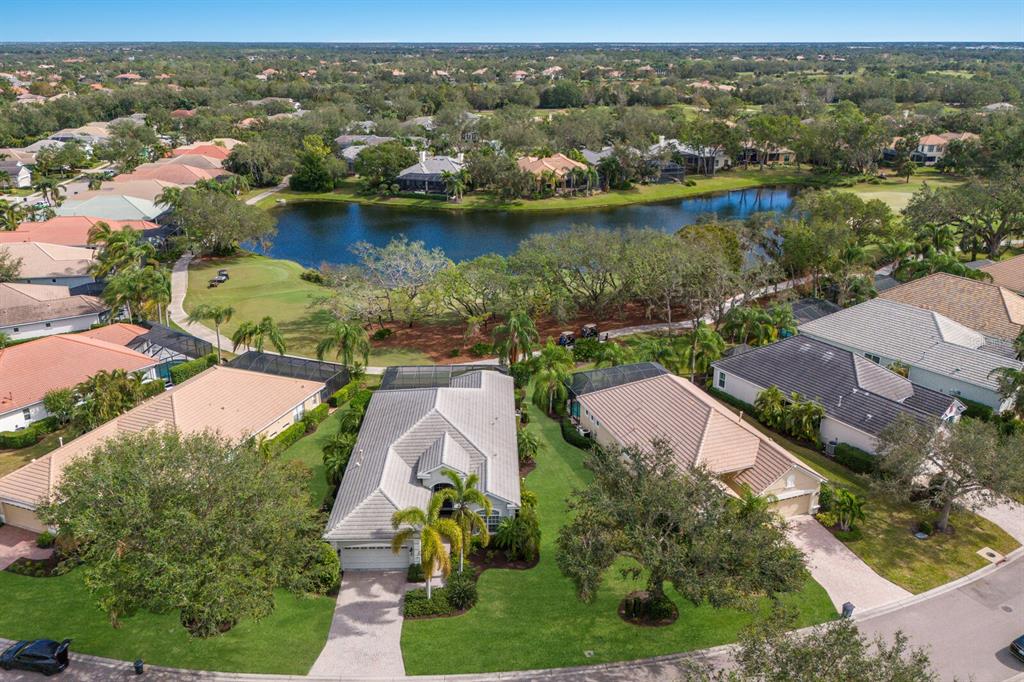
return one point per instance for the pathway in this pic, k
(176, 309)
(841, 572)
(1008, 515)
(252, 201)
(16, 543)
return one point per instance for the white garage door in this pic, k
(22, 518)
(373, 558)
(794, 506)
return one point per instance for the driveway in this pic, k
(1008, 515)
(841, 572)
(16, 543)
(366, 634)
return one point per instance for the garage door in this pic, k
(22, 518)
(794, 506)
(373, 558)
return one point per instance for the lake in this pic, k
(313, 233)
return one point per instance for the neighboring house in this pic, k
(209, 151)
(14, 174)
(218, 145)
(43, 263)
(1008, 273)
(114, 206)
(998, 106)
(942, 355)
(930, 148)
(634, 405)
(8, 154)
(752, 153)
(807, 309)
(675, 159)
(68, 230)
(31, 310)
(594, 158)
(995, 311)
(179, 174)
(168, 346)
(350, 154)
(195, 159)
(559, 165)
(860, 398)
(345, 141)
(148, 189)
(28, 371)
(218, 399)
(426, 175)
(408, 437)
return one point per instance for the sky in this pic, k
(650, 21)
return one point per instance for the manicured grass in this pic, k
(261, 286)
(730, 180)
(11, 460)
(887, 543)
(532, 619)
(288, 641)
(896, 192)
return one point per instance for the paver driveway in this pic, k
(366, 634)
(841, 572)
(16, 543)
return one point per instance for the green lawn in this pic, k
(896, 192)
(10, 460)
(62, 607)
(734, 179)
(262, 286)
(532, 619)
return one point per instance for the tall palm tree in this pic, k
(514, 338)
(455, 184)
(336, 453)
(218, 314)
(100, 232)
(255, 334)
(702, 346)
(348, 339)
(611, 354)
(782, 319)
(549, 384)
(169, 197)
(770, 405)
(464, 496)
(1011, 387)
(661, 349)
(11, 216)
(431, 530)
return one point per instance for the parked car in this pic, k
(1017, 648)
(41, 656)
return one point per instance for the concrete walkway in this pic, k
(252, 201)
(176, 309)
(16, 543)
(365, 640)
(841, 572)
(1008, 515)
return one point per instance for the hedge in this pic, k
(187, 370)
(46, 425)
(855, 459)
(361, 399)
(290, 436)
(315, 416)
(735, 402)
(343, 394)
(573, 437)
(976, 410)
(152, 388)
(416, 605)
(14, 440)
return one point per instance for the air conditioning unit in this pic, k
(830, 448)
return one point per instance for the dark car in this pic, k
(40, 656)
(1017, 648)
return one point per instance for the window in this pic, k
(47, 325)
(493, 521)
(26, 414)
(53, 281)
(721, 379)
(16, 329)
(873, 358)
(791, 481)
(299, 413)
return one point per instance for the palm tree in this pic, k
(254, 334)
(527, 444)
(455, 183)
(736, 325)
(51, 191)
(849, 508)
(770, 406)
(100, 233)
(611, 354)
(336, 453)
(936, 238)
(5, 340)
(703, 346)
(782, 319)
(1011, 387)
(464, 496)
(169, 197)
(805, 418)
(431, 530)
(549, 384)
(11, 216)
(661, 349)
(514, 338)
(218, 314)
(896, 251)
(750, 503)
(347, 339)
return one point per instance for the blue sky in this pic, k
(512, 20)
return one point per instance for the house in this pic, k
(345, 141)
(408, 437)
(995, 311)
(635, 405)
(28, 371)
(942, 355)
(674, 159)
(860, 398)
(148, 188)
(26, 158)
(207, 151)
(68, 230)
(183, 113)
(1008, 273)
(226, 143)
(168, 346)
(31, 310)
(558, 165)
(518, 76)
(179, 174)
(14, 173)
(113, 206)
(43, 263)
(218, 399)
(427, 174)
(930, 148)
(998, 106)
(594, 158)
(752, 153)
(193, 158)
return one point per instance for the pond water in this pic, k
(313, 233)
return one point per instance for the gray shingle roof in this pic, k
(431, 168)
(411, 431)
(917, 338)
(852, 389)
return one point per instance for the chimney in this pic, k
(423, 156)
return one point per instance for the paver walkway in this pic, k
(365, 640)
(841, 572)
(16, 543)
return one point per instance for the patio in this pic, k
(16, 543)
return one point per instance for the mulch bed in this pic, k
(644, 621)
(497, 559)
(526, 468)
(35, 568)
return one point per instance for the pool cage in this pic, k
(170, 344)
(428, 376)
(582, 383)
(331, 374)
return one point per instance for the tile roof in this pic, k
(411, 431)
(916, 337)
(39, 259)
(211, 151)
(28, 303)
(176, 173)
(145, 188)
(559, 164)
(66, 230)
(699, 429)
(112, 207)
(852, 389)
(214, 400)
(988, 308)
(29, 370)
(1008, 273)
(120, 333)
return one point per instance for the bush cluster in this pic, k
(13, 440)
(730, 400)
(312, 275)
(286, 438)
(152, 388)
(416, 604)
(313, 418)
(480, 349)
(381, 334)
(343, 394)
(461, 590)
(45, 539)
(415, 574)
(187, 370)
(573, 437)
(585, 350)
(855, 459)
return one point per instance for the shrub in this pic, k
(13, 440)
(416, 604)
(585, 350)
(976, 410)
(480, 349)
(343, 394)
(827, 518)
(361, 399)
(855, 459)
(735, 402)
(826, 497)
(381, 334)
(925, 527)
(455, 352)
(415, 573)
(519, 536)
(851, 535)
(573, 437)
(321, 574)
(46, 425)
(312, 275)
(286, 438)
(187, 370)
(315, 416)
(45, 539)
(461, 590)
(152, 388)
(520, 373)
